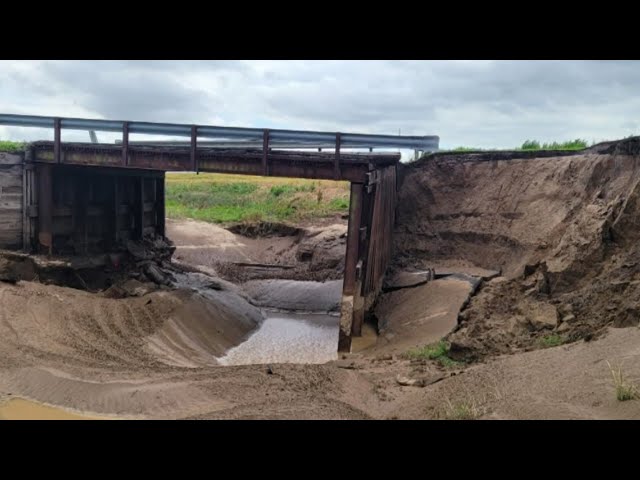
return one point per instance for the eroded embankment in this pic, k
(562, 229)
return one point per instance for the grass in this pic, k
(625, 390)
(6, 146)
(577, 144)
(461, 410)
(436, 351)
(552, 340)
(218, 198)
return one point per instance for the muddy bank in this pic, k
(561, 229)
(259, 251)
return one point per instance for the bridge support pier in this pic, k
(351, 285)
(371, 219)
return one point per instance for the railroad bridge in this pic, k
(88, 197)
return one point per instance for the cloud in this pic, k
(474, 103)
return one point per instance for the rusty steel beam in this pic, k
(352, 167)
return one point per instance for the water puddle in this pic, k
(288, 338)
(20, 409)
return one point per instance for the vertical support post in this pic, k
(125, 144)
(116, 205)
(265, 152)
(45, 207)
(160, 206)
(138, 213)
(349, 286)
(194, 149)
(57, 136)
(336, 162)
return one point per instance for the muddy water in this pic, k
(20, 409)
(282, 335)
(288, 338)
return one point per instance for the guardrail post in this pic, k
(265, 152)
(125, 144)
(57, 127)
(194, 148)
(336, 163)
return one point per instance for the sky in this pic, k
(484, 104)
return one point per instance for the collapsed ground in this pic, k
(525, 263)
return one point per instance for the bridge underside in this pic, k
(81, 198)
(352, 167)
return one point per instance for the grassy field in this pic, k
(6, 146)
(220, 198)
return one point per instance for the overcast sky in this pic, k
(467, 103)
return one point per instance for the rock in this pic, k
(114, 292)
(516, 323)
(530, 291)
(540, 315)
(134, 288)
(564, 326)
(346, 364)
(407, 279)
(569, 318)
(155, 274)
(406, 381)
(565, 309)
(384, 358)
(137, 251)
(630, 317)
(419, 382)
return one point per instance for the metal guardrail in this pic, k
(266, 138)
(231, 134)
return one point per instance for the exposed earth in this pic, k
(534, 282)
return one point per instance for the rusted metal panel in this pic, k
(382, 220)
(160, 206)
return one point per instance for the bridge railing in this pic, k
(234, 136)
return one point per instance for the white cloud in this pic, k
(472, 103)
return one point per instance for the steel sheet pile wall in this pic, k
(382, 221)
(371, 220)
(76, 210)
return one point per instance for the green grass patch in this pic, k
(223, 199)
(436, 351)
(6, 146)
(551, 340)
(577, 144)
(624, 389)
(461, 410)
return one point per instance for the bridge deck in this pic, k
(352, 167)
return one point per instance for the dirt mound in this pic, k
(561, 230)
(68, 328)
